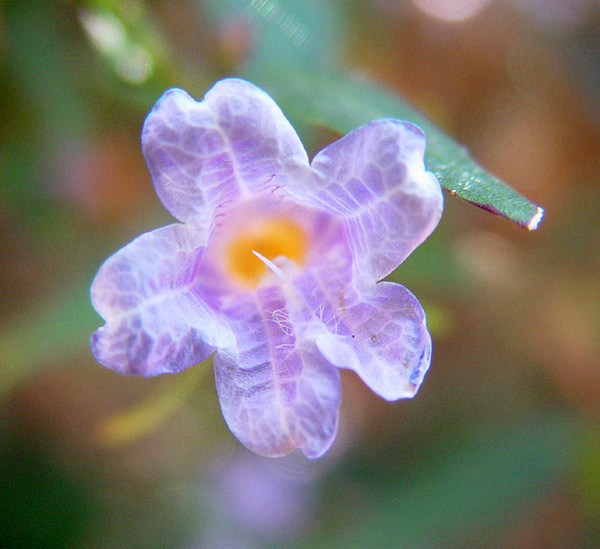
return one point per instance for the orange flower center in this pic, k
(272, 237)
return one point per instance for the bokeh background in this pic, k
(500, 448)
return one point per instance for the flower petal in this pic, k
(375, 177)
(383, 338)
(276, 391)
(155, 323)
(202, 154)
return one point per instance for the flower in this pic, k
(274, 265)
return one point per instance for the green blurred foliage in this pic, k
(500, 448)
(290, 34)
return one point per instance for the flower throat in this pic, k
(271, 238)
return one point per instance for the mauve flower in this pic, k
(274, 266)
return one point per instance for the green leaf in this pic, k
(343, 102)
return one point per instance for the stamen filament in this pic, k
(270, 265)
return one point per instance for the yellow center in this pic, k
(271, 238)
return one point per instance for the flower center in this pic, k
(272, 238)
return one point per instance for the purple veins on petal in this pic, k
(275, 266)
(386, 156)
(277, 392)
(202, 153)
(385, 341)
(154, 322)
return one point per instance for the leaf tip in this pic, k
(535, 219)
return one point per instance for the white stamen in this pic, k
(271, 266)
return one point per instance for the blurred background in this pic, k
(501, 446)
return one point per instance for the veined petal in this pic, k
(383, 338)
(375, 177)
(202, 154)
(155, 323)
(277, 392)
